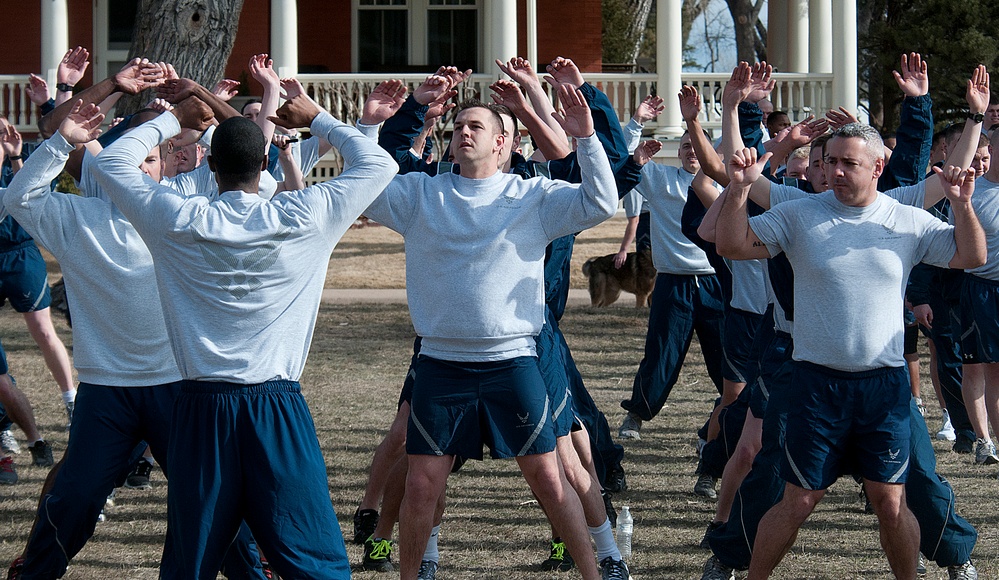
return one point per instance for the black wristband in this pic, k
(976, 117)
(14, 157)
(64, 88)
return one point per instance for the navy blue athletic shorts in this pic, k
(777, 352)
(458, 406)
(23, 279)
(3, 361)
(844, 422)
(552, 366)
(979, 320)
(737, 345)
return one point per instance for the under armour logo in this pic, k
(524, 418)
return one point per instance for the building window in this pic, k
(404, 35)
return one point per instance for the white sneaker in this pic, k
(8, 443)
(985, 452)
(946, 431)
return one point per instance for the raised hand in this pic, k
(977, 93)
(138, 75)
(72, 66)
(520, 70)
(507, 93)
(650, 108)
(739, 85)
(83, 123)
(193, 113)
(282, 142)
(744, 168)
(575, 117)
(958, 184)
(913, 80)
(159, 105)
(762, 82)
(383, 102)
(37, 89)
(291, 88)
(433, 88)
(226, 89)
(176, 90)
(806, 131)
(262, 70)
(10, 140)
(296, 113)
(690, 103)
(840, 118)
(646, 151)
(562, 71)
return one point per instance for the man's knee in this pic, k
(888, 501)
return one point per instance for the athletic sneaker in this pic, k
(963, 445)
(965, 571)
(705, 486)
(609, 508)
(378, 555)
(611, 569)
(9, 443)
(711, 526)
(946, 432)
(631, 427)
(700, 445)
(985, 452)
(559, 558)
(616, 483)
(7, 474)
(920, 406)
(70, 406)
(139, 476)
(41, 454)
(16, 567)
(920, 566)
(365, 522)
(715, 570)
(428, 570)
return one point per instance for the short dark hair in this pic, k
(473, 103)
(505, 110)
(238, 149)
(242, 109)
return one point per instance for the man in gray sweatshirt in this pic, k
(240, 280)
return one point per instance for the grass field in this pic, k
(492, 527)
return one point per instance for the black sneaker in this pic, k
(139, 477)
(711, 527)
(16, 567)
(559, 558)
(609, 507)
(611, 569)
(616, 483)
(378, 555)
(41, 454)
(365, 522)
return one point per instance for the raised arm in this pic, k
(262, 69)
(177, 90)
(959, 185)
(69, 72)
(733, 237)
(552, 145)
(520, 70)
(690, 108)
(11, 144)
(914, 135)
(746, 82)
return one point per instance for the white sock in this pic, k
(69, 396)
(32, 444)
(148, 459)
(603, 537)
(431, 552)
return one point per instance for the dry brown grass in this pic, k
(492, 528)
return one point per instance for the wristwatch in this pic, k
(976, 117)
(64, 88)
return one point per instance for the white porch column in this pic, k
(797, 36)
(532, 33)
(844, 61)
(284, 37)
(820, 36)
(55, 37)
(502, 19)
(669, 65)
(777, 34)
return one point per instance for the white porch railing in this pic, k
(15, 106)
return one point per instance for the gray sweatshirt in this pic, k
(240, 277)
(475, 251)
(119, 336)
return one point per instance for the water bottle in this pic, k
(625, 528)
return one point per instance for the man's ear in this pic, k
(211, 163)
(879, 168)
(263, 164)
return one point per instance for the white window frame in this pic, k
(102, 54)
(417, 10)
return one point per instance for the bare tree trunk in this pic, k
(195, 36)
(691, 10)
(636, 27)
(745, 14)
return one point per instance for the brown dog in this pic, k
(637, 275)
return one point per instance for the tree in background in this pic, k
(195, 36)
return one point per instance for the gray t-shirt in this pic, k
(850, 265)
(986, 204)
